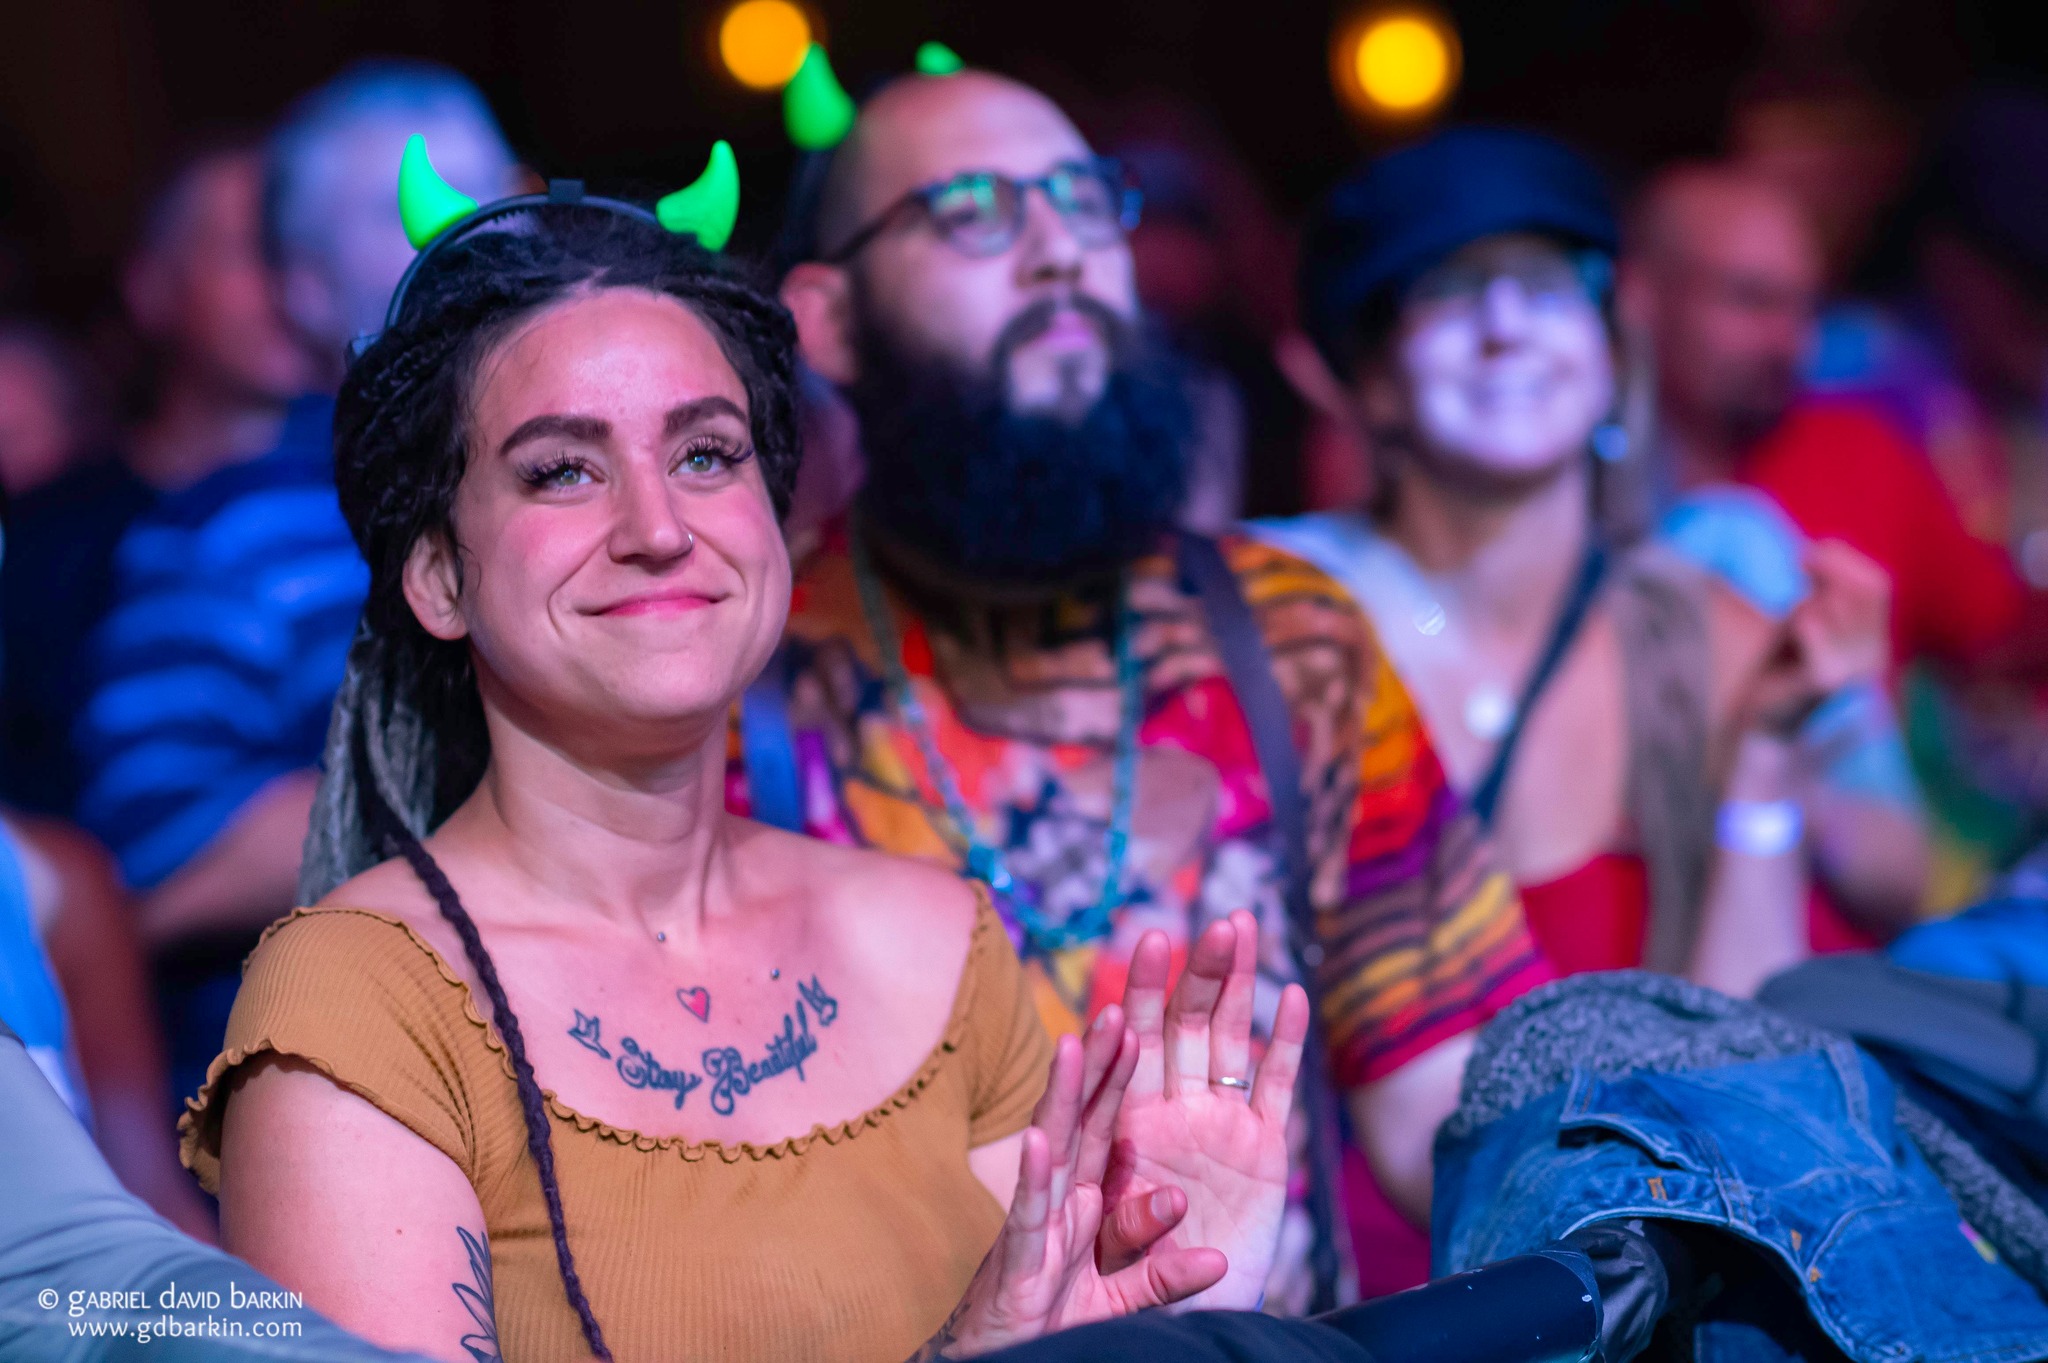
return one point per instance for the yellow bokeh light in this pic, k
(762, 42)
(1402, 63)
(1398, 63)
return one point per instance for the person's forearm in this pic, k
(1396, 1118)
(1866, 819)
(247, 876)
(98, 964)
(1753, 919)
(1874, 856)
(135, 1132)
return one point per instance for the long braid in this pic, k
(531, 1104)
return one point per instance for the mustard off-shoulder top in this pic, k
(853, 1242)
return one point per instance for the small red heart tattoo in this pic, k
(697, 1000)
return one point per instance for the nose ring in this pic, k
(689, 539)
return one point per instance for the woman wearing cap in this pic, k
(589, 1067)
(1621, 717)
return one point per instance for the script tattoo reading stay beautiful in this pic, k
(730, 1074)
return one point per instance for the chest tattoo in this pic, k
(728, 1071)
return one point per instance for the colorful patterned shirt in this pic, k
(1422, 935)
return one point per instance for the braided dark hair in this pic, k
(407, 742)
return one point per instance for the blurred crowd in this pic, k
(1703, 519)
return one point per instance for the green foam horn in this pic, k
(427, 204)
(708, 206)
(815, 108)
(936, 59)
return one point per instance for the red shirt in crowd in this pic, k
(1842, 471)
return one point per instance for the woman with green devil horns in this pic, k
(564, 1059)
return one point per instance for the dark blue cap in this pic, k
(1388, 223)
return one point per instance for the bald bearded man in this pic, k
(1004, 660)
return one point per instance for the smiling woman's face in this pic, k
(1502, 363)
(622, 572)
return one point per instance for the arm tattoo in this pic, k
(477, 1299)
(732, 1075)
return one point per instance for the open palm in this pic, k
(1044, 1273)
(1224, 1146)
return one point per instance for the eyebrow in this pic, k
(592, 430)
(589, 429)
(680, 419)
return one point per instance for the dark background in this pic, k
(97, 95)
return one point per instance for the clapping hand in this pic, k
(1043, 1274)
(1839, 634)
(1196, 1118)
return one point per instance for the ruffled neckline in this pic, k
(986, 926)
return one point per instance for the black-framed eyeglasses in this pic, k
(981, 212)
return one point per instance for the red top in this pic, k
(1842, 471)
(1595, 918)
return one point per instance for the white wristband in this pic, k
(1760, 828)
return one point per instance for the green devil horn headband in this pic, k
(427, 204)
(936, 59)
(705, 209)
(708, 207)
(815, 108)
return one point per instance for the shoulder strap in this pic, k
(768, 748)
(1248, 664)
(1570, 616)
(1242, 647)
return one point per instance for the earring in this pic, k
(1610, 442)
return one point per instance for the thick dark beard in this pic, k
(1009, 499)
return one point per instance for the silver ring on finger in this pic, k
(1231, 1081)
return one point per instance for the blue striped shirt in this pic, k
(215, 669)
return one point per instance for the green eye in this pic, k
(703, 461)
(561, 473)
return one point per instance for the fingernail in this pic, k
(1162, 1204)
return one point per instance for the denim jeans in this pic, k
(1799, 1158)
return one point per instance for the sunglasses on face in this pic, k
(980, 213)
(1545, 281)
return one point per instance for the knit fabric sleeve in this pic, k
(1006, 1047)
(365, 1001)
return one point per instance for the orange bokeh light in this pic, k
(762, 42)
(1397, 63)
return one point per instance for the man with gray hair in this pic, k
(209, 682)
(330, 207)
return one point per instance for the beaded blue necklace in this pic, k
(984, 862)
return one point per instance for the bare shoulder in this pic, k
(389, 887)
(392, 890)
(905, 912)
